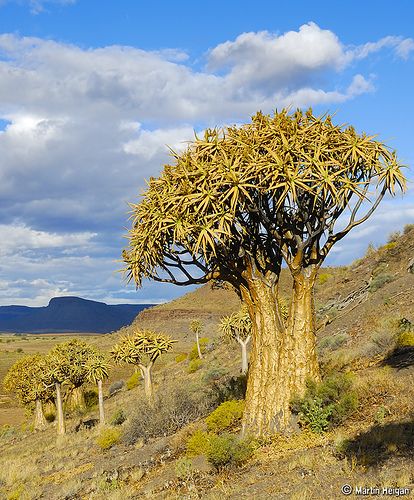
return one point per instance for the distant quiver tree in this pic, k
(239, 201)
(27, 379)
(238, 326)
(139, 347)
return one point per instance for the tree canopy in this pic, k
(270, 189)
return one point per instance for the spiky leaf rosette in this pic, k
(270, 189)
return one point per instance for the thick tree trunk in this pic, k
(245, 364)
(301, 327)
(146, 374)
(282, 356)
(101, 405)
(61, 429)
(40, 422)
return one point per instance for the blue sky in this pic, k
(91, 92)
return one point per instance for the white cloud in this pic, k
(264, 57)
(85, 127)
(16, 238)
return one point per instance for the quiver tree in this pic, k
(238, 326)
(97, 368)
(196, 327)
(238, 202)
(27, 378)
(140, 347)
(66, 362)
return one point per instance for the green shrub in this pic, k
(227, 388)
(406, 338)
(170, 411)
(133, 381)
(226, 415)
(334, 342)
(108, 438)
(184, 469)
(408, 227)
(228, 450)
(323, 278)
(194, 351)
(118, 417)
(379, 281)
(50, 416)
(91, 398)
(180, 357)
(370, 251)
(392, 237)
(213, 373)
(326, 404)
(198, 444)
(194, 365)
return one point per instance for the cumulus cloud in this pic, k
(15, 238)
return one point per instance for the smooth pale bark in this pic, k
(245, 364)
(101, 405)
(282, 356)
(40, 422)
(61, 428)
(146, 375)
(198, 346)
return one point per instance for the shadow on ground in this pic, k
(380, 444)
(402, 357)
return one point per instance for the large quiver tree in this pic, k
(238, 202)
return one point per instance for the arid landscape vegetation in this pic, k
(356, 428)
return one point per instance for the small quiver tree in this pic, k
(238, 326)
(27, 378)
(97, 368)
(140, 346)
(197, 326)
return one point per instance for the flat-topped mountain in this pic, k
(68, 314)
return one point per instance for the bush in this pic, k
(118, 417)
(406, 338)
(169, 412)
(226, 389)
(180, 357)
(392, 237)
(91, 398)
(116, 387)
(326, 404)
(226, 415)
(334, 342)
(194, 365)
(133, 381)
(108, 438)
(379, 281)
(194, 351)
(213, 373)
(228, 450)
(50, 416)
(408, 227)
(323, 278)
(198, 444)
(391, 245)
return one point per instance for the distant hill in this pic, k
(68, 315)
